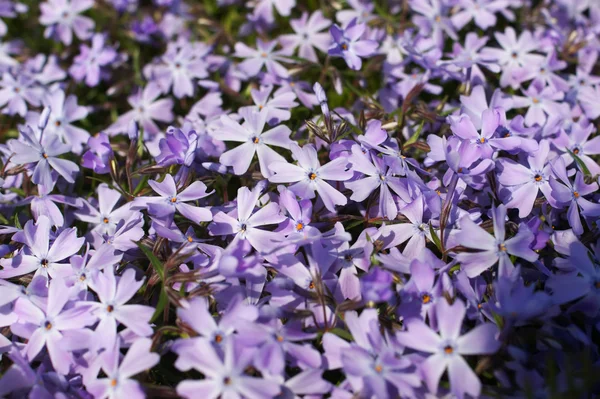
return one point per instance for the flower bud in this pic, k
(133, 130)
(44, 116)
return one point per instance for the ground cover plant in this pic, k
(299, 199)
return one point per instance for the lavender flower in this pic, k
(309, 176)
(348, 44)
(62, 19)
(448, 348)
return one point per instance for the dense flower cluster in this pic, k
(299, 199)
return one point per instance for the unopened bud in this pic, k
(44, 116)
(133, 130)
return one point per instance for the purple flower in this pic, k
(16, 93)
(541, 101)
(492, 249)
(62, 18)
(90, 64)
(516, 53)
(485, 142)
(573, 194)
(65, 111)
(99, 154)
(45, 204)
(118, 381)
(245, 224)
(38, 255)
(263, 55)
(309, 176)
(376, 176)
(146, 110)
(106, 217)
(177, 148)
(347, 43)
(415, 232)
(170, 200)
(526, 182)
(481, 11)
(44, 156)
(224, 373)
(433, 19)
(578, 141)
(264, 9)
(308, 35)
(448, 348)
(254, 140)
(58, 329)
(112, 307)
(180, 67)
(275, 108)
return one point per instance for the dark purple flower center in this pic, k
(45, 262)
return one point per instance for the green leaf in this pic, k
(435, 238)
(415, 136)
(156, 264)
(341, 333)
(580, 163)
(160, 306)
(141, 184)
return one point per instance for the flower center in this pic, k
(575, 194)
(426, 298)
(110, 308)
(501, 247)
(311, 285)
(45, 262)
(438, 19)
(256, 140)
(82, 277)
(312, 175)
(190, 239)
(344, 47)
(263, 54)
(448, 349)
(514, 55)
(58, 123)
(113, 382)
(105, 220)
(279, 338)
(48, 326)
(177, 65)
(226, 381)
(381, 177)
(243, 227)
(482, 140)
(45, 155)
(535, 100)
(576, 150)
(538, 177)
(218, 338)
(379, 368)
(174, 199)
(299, 226)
